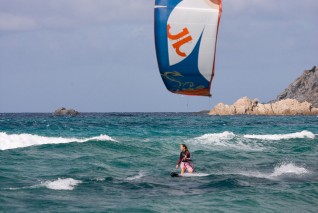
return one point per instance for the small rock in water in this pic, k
(64, 112)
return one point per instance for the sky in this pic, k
(99, 55)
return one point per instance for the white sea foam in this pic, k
(276, 137)
(61, 184)
(226, 139)
(26, 187)
(13, 141)
(281, 170)
(216, 137)
(289, 168)
(100, 138)
(136, 177)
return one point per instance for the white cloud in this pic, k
(15, 22)
(269, 5)
(34, 14)
(37, 14)
(238, 5)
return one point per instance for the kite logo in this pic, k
(180, 38)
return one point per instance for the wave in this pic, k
(226, 139)
(21, 188)
(276, 137)
(14, 141)
(289, 168)
(216, 136)
(283, 169)
(61, 184)
(136, 177)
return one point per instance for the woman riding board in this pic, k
(185, 160)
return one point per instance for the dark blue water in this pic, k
(121, 163)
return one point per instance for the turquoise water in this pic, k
(121, 163)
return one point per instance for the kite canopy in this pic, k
(185, 35)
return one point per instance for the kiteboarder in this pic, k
(185, 160)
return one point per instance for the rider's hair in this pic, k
(185, 147)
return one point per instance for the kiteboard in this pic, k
(174, 174)
(195, 174)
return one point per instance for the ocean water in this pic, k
(121, 162)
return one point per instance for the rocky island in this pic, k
(299, 98)
(65, 112)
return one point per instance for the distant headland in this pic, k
(299, 98)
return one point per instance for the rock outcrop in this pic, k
(304, 88)
(246, 106)
(66, 112)
(299, 98)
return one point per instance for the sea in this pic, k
(121, 162)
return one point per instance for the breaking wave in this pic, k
(61, 184)
(216, 137)
(281, 170)
(14, 141)
(289, 168)
(227, 140)
(136, 177)
(276, 137)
